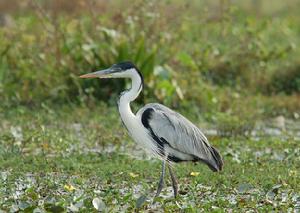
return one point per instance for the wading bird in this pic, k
(166, 133)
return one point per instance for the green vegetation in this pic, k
(198, 55)
(229, 67)
(65, 158)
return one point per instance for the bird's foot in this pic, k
(159, 188)
(175, 189)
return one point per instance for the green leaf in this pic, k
(148, 64)
(53, 208)
(123, 52)
(98, 204)
(187, 60)
(244, 187)
(140, 54)
(140, 201)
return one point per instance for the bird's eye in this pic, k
(119, 69)
(115, 68)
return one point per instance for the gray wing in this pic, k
(182, 137)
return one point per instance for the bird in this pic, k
(165, 133)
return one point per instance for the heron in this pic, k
(165, 133)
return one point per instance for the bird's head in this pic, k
(120, 70)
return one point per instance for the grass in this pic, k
(62, 161)
(228, 66)
(206, 46)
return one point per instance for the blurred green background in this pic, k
(207, 56)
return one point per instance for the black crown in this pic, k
(125, 65)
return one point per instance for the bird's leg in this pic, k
(161, 180)
(174, 181)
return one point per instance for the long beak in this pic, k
(98, 74)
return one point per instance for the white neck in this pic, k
(131, 94)
(131, 121)
(128, 96)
